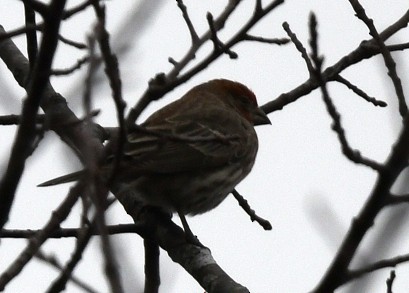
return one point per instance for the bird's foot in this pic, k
(190, 237)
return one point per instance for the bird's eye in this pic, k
(245, 100)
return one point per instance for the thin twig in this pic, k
(353, 155)
(34, 243)
(59, 284)
(398, 47)
(192, 31)
(26, 132)
(253, 216)
(39, 7)
(173, 78)
(72, 43)
(385, 263)
(337, 274)
(397, 199)
(364, 51)
(218, 45)
(16, 119)
(259, 6)
(387, 57)
(71, 69)
(360, 92)
(31, 36)
(299, 46)
(277, 41)
(389, 281)
(20, 31)
(99, 188)
(88, 81)
(76, 9)
(113, 74)
(72, 232)
(53, 261)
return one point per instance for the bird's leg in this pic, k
(190, 237)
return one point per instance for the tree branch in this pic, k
(389, 62)
(26, 132)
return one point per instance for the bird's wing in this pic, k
(185, 146)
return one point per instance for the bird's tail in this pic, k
(63, 179)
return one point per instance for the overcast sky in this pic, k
(301, 182)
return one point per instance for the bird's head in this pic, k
(241, 98)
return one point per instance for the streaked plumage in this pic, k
(194, 176)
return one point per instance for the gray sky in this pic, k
(301, 181)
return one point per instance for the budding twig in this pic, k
(246, 207)
(360, 92)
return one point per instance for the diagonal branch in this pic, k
(169, 236)
(26, 132)
(338, 271)
(387, 57)
(73, 232)
(58, 216)
(192, 31)
(164, 83)
(299, 47)
(337, 274)
(314, 66)
(385, 263)
(365, 50)
(253, 216)
(360, 92)
(53, 262)
(197, 261)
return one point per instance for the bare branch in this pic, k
(73, 232)
(397, 199)
(38, 6)
(253, 216)
(152, 276)
(353, 155)
(58, 216)
(360, 92)
(112, 72)
(259, 7)
(59, 284)
(389, 62)
(338, 273)
(398, 47)
(196, 260)
(396, 162)
(173, 79)
(53, 261)
(385, 263)
(389, 281)
(72, 43)
(192, 31)
(71, 69)
(276, 41)
(26, 133)
(76, 9)
(31, 36)
(16, 119)
(364, 51)
(299, 47)
(218, 45)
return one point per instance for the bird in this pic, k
(191, 153)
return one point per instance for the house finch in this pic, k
(194, 151)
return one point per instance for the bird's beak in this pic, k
(260, 118)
